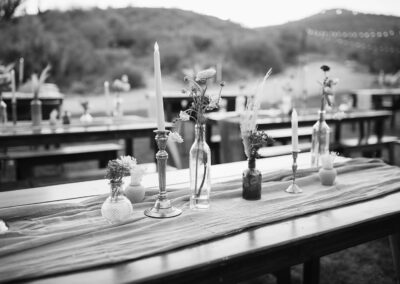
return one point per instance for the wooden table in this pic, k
(268, 121)
(175, 102)
(50, 101)
(236, 257)
(375, 98)
(126, 128)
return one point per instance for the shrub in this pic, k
(257, 56)
(134, 74)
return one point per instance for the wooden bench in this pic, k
(26, 160)
(372, 144)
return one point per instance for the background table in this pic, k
(229, 125)
(175, 102)
(237, 257)
(375, 99)
(50, 101)
(125, 128)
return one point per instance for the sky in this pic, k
(249, 13)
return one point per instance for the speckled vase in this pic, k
(117, 207)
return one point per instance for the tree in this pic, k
(8, 8)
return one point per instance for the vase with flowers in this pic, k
(36, 104)
(200, 154)
(253, 140)
(117, 208)
(321, 131)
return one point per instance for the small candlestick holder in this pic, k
(162, 207)
(294, 188)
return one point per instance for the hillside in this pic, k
(87, 47)
(293, 39)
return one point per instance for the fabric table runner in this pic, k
(45, 239)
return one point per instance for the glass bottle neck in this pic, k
(321, 114)
(251, 162)
(200, 132)
(115, 189)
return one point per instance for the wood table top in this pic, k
(262, 249)
(274, 117)
(377, 92)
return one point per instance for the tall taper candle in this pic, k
(14, 98)
(159, 98)
(21, 71)
(107, 97)
(295, 136)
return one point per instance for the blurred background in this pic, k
(88, 42)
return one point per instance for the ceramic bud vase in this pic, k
(117, 207)
(251, 181)
(135, 191)
(327, 176)
(36, 112)
(200, 166)
(320, 140)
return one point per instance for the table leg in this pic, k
(129, 146)
(395, 247)
(311, 271)
(231, 104)
(283, 276)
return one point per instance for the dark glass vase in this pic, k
(251, 181)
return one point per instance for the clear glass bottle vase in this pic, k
(320, 139)
(117, 207)
(36, 112)
(200, 166)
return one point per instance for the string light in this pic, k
(340, 34)
(347, 39)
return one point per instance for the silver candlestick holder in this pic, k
(162, 207)
(294, 188)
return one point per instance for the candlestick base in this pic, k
(3, 227)
(294, 188)
(163, 209)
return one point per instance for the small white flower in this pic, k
(205, 74)
(175, 137)
(184, 116)
(128, 162)
(137, 174)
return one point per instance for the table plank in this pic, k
(262, 249)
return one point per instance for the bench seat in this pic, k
(26, 160)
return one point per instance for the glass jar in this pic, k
(251, 181)
(320, 139)
(117, 207)
(200, 166)
(36, 112)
